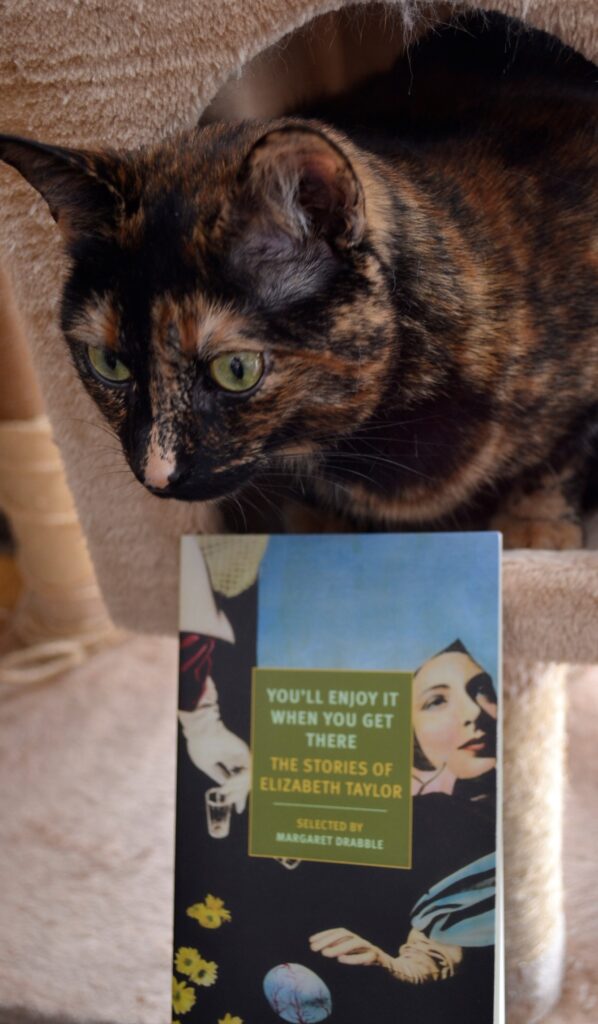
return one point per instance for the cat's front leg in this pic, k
(543, 513)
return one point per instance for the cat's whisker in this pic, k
(108, 455)
(265, 495)
(262, 495)
(414, 442)
(128, 476)
(105, 427)
(234, 500)
(281, 485)
(379, 458)
(362, 476)
(336, 456)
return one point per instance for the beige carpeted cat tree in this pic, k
(129, 72)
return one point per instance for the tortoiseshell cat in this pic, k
(391, 299)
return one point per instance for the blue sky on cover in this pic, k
(377, 601)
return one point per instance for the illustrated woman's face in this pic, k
(454, 715)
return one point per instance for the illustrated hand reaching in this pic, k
(215, 750)
(420, 958)
(348, 948)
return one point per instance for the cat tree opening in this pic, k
(330, 54)
(324, 57)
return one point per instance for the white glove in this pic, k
(215, 750)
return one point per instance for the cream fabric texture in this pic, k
(128, 72)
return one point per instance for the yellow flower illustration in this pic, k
(183, 996)
(227, 1019)
(187, 960)
(205, 973)
(211, 913)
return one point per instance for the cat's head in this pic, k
(225, 300)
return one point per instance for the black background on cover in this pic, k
(274, 910)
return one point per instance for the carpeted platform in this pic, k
(86, 858)
(579, 1004)
(86, 855)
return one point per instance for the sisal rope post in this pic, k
(60, 617)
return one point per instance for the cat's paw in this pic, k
(547, 534)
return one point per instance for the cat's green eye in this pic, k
(107, 366)
(237, 371)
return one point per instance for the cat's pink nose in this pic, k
(160, 466)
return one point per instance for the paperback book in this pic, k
(338, 833)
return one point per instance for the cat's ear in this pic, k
(307, 186)
(79, 186)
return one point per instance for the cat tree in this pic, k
(128, 73)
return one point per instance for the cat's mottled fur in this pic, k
(415, 265)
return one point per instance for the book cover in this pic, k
(337, 850)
